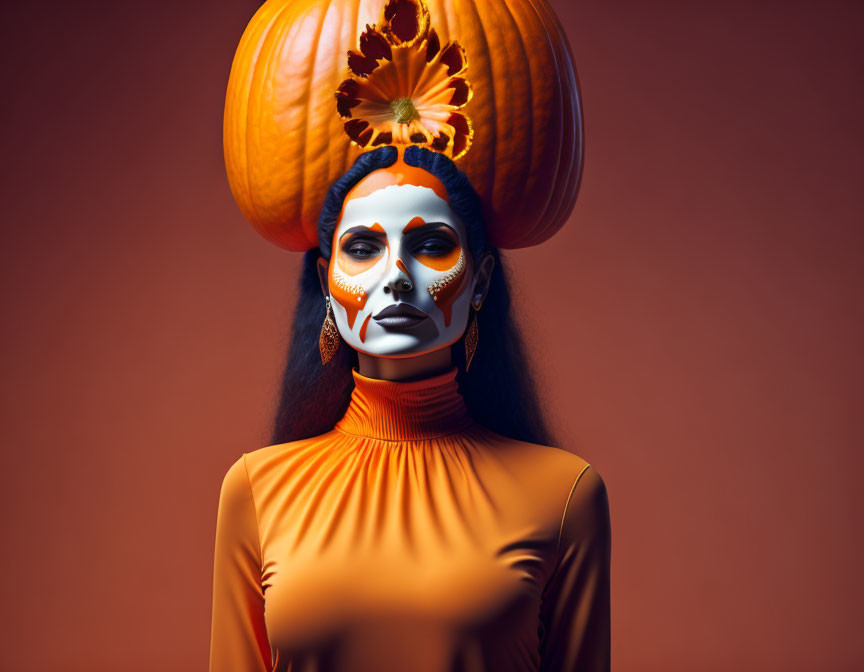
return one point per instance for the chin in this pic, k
(402, 345)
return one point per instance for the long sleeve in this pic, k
(575, 617)
(238, 636)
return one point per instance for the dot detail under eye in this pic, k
(344, 284)
(436, 287)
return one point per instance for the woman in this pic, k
(410, 514)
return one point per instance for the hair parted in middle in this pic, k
(499, 391)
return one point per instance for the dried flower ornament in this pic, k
(405, 88)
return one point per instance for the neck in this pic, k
(403, 410)
(405, 368)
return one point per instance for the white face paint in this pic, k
(401, 249)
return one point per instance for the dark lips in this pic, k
(400, 316)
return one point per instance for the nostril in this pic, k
(386, 289)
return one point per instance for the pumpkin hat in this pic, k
(489, 83)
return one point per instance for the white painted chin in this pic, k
(425, 337)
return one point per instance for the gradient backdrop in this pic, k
(697, 326)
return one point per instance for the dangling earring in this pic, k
(328, 341)
(472, 335)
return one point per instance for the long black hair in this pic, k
(499, 390)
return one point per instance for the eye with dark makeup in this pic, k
(435, 243)
(361, 247)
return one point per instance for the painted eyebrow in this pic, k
(429, 225)
(363, 229)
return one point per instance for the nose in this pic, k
(399, 279)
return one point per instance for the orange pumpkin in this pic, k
(285, 144)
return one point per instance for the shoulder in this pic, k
(236, 512)
(235, 483)
(556, 481)
(267, 468)
(550, 468)
(586, 512)
(274, 457)
(584, 495)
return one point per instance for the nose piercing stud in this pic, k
(404, 285)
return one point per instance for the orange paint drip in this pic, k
(363, 328)
(445, 296)
(401, 267)
(350, 296)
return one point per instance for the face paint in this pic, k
(387, 238)
(351, 295)
(445, 290)
(363, 329)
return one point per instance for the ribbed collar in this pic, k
(405, 411)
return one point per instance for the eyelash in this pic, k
(441, 246)
(361, 249)
(432, 246)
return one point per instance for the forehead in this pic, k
(394, 206)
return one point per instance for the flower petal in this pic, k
(461, 91)
(454, 58)
(360, 65)
(433, 45)
(405, 21)
(464, 133)
(439, 144)
(384, 138)
(346, 97)
(353, 127)
(365, 136)
(374, 45)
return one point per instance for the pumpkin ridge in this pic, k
(528, 167)
(310, 79)
(543, 211)
(553, 201)
(264, 47)
(256, 45)
(493, 141)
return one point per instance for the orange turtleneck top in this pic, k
(411, 539)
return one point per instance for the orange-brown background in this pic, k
(698, 325)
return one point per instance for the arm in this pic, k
(238, 636)
(575, 611)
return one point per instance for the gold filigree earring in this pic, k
(472, 336)
(328, 341)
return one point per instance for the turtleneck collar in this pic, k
(405, 410)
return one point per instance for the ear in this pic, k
(323, 268)
(482, 277)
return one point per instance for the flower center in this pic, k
(404, 110)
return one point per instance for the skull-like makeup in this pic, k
(400, 274)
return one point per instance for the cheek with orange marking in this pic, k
(350, 295)
(363, 328)
(447, 288)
